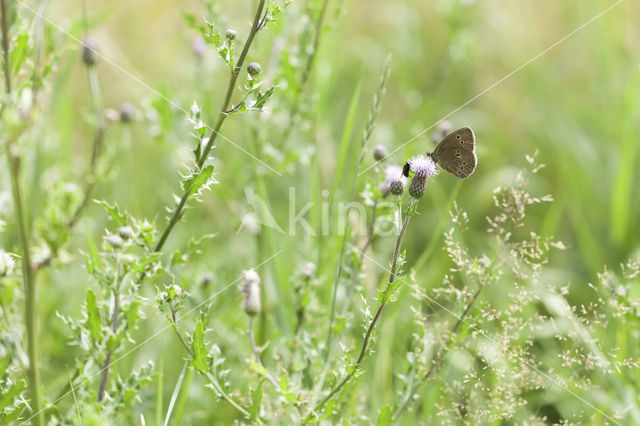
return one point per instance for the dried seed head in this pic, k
(89, 51)
(379, 152)
(254, 69)
(231, 34)
(125, 232)
(250, 289)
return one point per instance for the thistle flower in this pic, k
(424, 168)
(250, 289)
(393, 182)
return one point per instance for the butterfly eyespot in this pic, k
(464, 163)
(458, 136)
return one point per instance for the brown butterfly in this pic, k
(455, 153)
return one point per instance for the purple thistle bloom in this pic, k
(424, 168)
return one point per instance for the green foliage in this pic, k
(512, 297)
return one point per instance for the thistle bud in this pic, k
(396, 187)
(393, 182)
(89, 51)
(254, 69)
(379, 152)
(125, 232)
(127, 112)
(114, 240)
(231, 34)
(250, 289)
(417, 186)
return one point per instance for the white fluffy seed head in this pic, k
(250, 289)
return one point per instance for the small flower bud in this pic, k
(254, 69)
(198, 46)
(396, 187)
(125, 232)
(114, 240)
(250, 289)
(89, 51)
(127, 112)
(231, 34)
(111, 115)
(379, 152)
(7, 264)
(392, 176)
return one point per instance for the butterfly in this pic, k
(455, 153)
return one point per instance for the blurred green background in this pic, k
(576, 103)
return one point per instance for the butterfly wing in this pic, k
(456, 153)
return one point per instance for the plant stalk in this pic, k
(14, 159)
(374, 321)
(222, 116)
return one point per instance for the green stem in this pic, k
(107, 361)
(14, 159)
(222, 116)
(29, 286)
(5, 47)
(216, 386)
(374, 321)
(214, 382)
(256, 355)
(295, 109)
